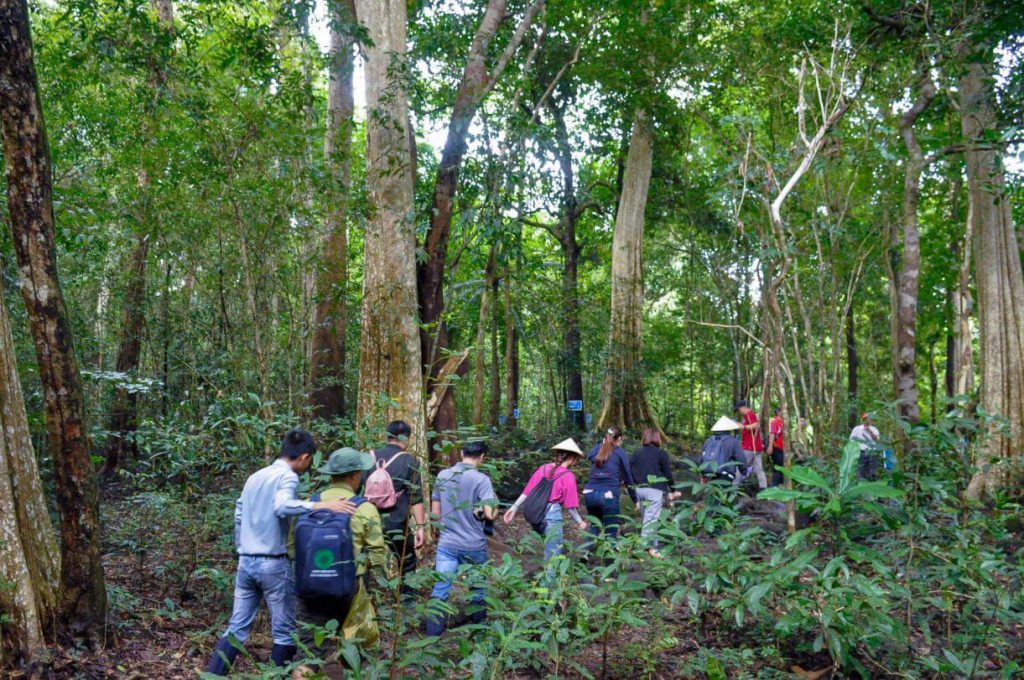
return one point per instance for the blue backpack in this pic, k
(325, 561)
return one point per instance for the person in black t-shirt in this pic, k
(652, 472)
(405, 473)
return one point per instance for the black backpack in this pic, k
(535, 507)
(325, 562)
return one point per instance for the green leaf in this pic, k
(959, 664)
(713, 667)
(756, 594)
(877, 489)
(350, 653)
(777, 493)
(848, 465)
(808, 476)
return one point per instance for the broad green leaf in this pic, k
(808, 476)
(877, 489)
(848, 465)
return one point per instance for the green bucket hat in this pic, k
(346, 460)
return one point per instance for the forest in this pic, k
(241, 235)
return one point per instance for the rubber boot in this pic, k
(223, 657)
(282, 655)
(435, 623)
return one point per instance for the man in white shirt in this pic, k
(262, 516)
(867, 436)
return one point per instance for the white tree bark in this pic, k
(1000, 283)
(625, 401)
(390, 378)
(29, 558)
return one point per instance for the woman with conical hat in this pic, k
(722, 455)
(563, 495)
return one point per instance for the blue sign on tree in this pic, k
(575, 404)
(589, 419)
(515, 413)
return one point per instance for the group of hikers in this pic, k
(309, 560)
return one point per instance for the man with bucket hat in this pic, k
(722, 455)
(355, 615)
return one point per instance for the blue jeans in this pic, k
(264, 579)
(447, 565)
(553, 536)
(603, 505)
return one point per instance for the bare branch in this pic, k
(513, 45)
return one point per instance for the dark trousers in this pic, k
(778, 462)
(604, 512)
(867, 466)
(317, 612)
(402, 545)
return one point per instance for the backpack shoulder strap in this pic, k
(564, 473)
(357, 500)
(392, 459)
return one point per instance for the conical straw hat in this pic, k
(725, 424)
(569, 445)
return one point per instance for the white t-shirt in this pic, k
(866, 436)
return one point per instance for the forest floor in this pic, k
(170, 571)
(169, 575)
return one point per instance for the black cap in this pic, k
(397, 429)
(474, 449)
(296, 443)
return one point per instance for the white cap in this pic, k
(569, 445)
(725, 424)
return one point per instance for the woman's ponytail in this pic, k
(607, 445)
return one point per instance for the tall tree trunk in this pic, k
(963, 307)
(474, 86)
(933, 382)
(30, 205)
(390, 360)
(165, 329)
(1000, 282)
(625, 401)
(430, 274)
(29, 559)
(327, 366)
(124, 412)
(852, 364)
(480, 365)
(566, 235)
(495, 375)
(256, 319)
(950, 366)
(905, 368)
(511, 356)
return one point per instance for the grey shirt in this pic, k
(459, 490)
(262, 512)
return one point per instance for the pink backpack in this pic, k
(380, 488)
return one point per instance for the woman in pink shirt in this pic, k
(563, 494)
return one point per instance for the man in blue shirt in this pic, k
(262, 516)
(462, 499)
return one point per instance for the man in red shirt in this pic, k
(753, 445)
